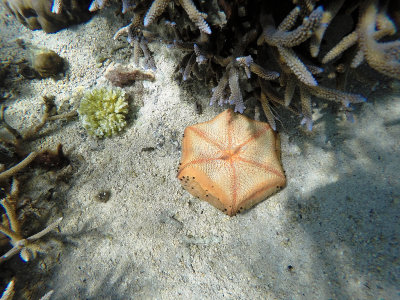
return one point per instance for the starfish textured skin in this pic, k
(231, 161)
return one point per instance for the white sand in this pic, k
(336, 223)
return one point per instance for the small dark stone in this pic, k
(103, 196)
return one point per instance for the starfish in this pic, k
(231, 161)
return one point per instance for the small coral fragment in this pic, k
(102, 111)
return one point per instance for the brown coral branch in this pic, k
(334, 95)
(20, 166)
(97, 4)
(328, 15)
(155, 10)
(250, 66)
(25, 247)
(290, 20)
(383, 57)
(306, 109)
(236, 96)
(196, 16)
(296, 65)
(348, 41)
(267, 110)
(295, 37)
(9, 292)
(218, 92)
(56, 7)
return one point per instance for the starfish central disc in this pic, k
(231, 161)
(229, 154)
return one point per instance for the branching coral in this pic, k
(102, 111)
(294, 49)
(158, 6)
(26, 247)
(9, 292)
(372, 26)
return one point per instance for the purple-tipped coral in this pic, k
(232, 44)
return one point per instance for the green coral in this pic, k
(102, 111)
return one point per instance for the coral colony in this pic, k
(103, 111)
(276, 47)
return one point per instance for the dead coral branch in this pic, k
(26, 247)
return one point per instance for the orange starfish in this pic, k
(231, 161)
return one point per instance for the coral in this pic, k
(10, 227)
(299, 51)
(137, 39)
(102, 111)
(40, 14)
(158, 6)
(47, 63)
(372, 26)
(9, 292)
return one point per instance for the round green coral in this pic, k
(102, 111)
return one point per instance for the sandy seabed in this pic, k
(332, 233)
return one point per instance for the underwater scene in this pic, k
(199, 149)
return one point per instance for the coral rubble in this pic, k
(26, 247)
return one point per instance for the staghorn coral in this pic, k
(283, 40)
(102, 111)
(372, 26)
(225, 48)
(158, 6)
(9, 292)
